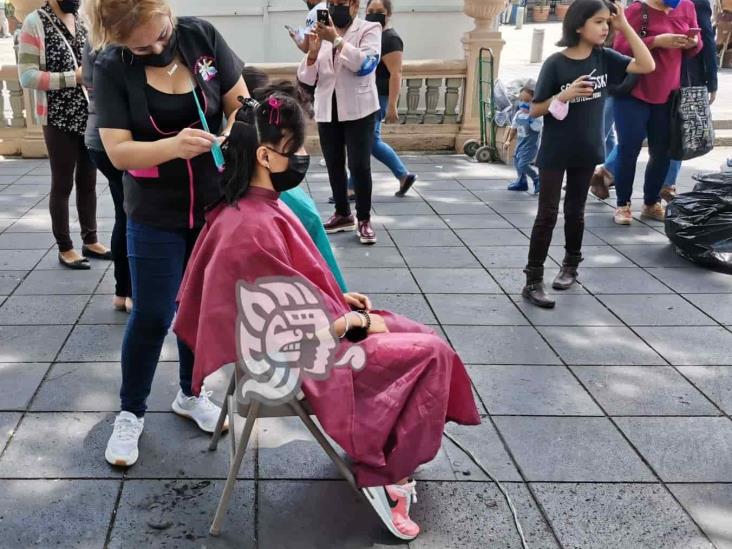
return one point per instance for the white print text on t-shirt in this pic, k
(598, 82)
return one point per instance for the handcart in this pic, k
(485, 150)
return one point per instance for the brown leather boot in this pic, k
(568, 273)
(534, 289)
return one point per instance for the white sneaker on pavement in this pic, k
(200, 409)
(122, 446)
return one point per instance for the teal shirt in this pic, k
(304, 208)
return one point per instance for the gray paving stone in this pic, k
(424, 237)
(502, 257)
(48, 309)
(410, 222)
(66, 282)
(710, 505)
(494, 237)
(174, 447)
(20, 260)
(620, 281)
(683, 449)
(480, 221)
(386, 281)
(691, 345)
(412, 306)
(455, 281)
(455, 195)
(600, 346)
(594, 256)
(514, 206)
(499, 183)
(19, 382)
(297, 514)
(10, 168)
(490, 195)
(99, 310)
(653, 255)
(8, 422)
(512, 281)
(571, 310)
(694, 280)
(644, 391)
(439, 257)
(483, 442)
(531, 390)
(41, 344)
(368, 257)
(33, 223)
(78, 441)
(350, 240)
(56, 513)
(100, 343)
(439, 468)
(475, 515)
(718, 306)
(714, 381)
(25, 241)
(403, 208)
(10, 280)
(178, 514)
(617, 516)
(570, 449)
(629, 235)
(656, 310)
(458, 208)
(558, 237)
(476, 310)
(500, 345)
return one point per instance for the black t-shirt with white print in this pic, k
(577, 141)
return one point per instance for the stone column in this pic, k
(32, 144)
(485, 12)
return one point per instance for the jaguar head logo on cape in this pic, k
(284, 333)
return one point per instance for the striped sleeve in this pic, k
(30, 46)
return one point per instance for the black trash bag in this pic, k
(699, 223)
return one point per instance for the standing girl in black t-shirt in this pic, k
(570, 95)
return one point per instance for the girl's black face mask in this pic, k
(165, 57)
(69, 6)
(341, 16)
(298, 165)
(377, 18)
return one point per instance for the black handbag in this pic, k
(630, 80)
(692, 131)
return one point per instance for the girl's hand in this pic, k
(191, 142)
(357, 301)
(579, 88)
(670, 41)
(619, 21)
(506, 145)
(378, 325)
(326, 32)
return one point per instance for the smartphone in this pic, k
(692, 32)
(323, 17)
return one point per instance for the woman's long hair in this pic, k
(277, 116)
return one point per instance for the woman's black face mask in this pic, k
(377, 18)
(69, 6)
(165, 57)
(298, 165)
(341, 16)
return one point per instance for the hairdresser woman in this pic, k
(151, 129)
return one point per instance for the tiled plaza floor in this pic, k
(608, 418)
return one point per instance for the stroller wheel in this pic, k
(471, 146)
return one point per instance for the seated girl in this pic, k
(388, 415)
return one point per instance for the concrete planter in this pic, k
(561, 11)
(484, 12)
(540, 14)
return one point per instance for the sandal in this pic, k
(78, 265)
(88, 252)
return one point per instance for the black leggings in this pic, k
(578, 184)
(123, 287)
(67, 153)
(357, 138)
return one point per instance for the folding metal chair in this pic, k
(232, 405)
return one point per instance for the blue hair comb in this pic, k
(218, 154)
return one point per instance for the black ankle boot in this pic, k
(534, 289)
(568, 273)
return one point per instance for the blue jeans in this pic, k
(522, 159)
(382, 151)
(157, 260)
(673, 173)
(608, 119)
(634, 120)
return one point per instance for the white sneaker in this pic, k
(122, 446)
(200, 409)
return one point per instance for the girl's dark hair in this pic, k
(579, 12)
(276, 116)
(258, 84)
(388, 6)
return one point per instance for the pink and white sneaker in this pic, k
(392, 503)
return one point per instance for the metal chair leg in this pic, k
(234, 469)
(340, 464)
(225, 407)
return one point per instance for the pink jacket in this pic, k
(356, 95)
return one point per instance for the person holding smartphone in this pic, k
(342, 59)
(300, 36)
